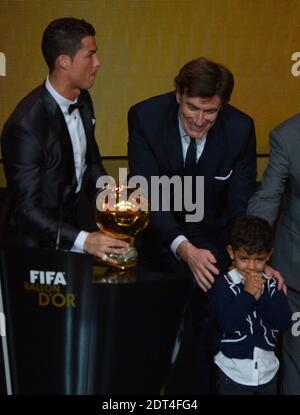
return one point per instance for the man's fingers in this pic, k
(284, 288)
(211, 268)
(114, 250)
(208, 277)
(115, 242)
(205, 280)
(202, 286)
(111, 261)
(204, 275)
(211, 257)
(206, 284)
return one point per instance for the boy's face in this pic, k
(248, 263)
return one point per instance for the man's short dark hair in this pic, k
(204, 78)
(253, 234)
(63, 36)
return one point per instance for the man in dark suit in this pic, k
(194, 132)
(51, 159)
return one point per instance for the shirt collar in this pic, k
(63, 102)
(237, 278)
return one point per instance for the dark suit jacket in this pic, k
(155, 149)
(39, 166)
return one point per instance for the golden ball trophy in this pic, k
(121, 212)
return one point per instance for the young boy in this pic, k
(250, 311)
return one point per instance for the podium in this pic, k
(70, 330)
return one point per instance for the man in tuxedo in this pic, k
(51, 159)
(194, 132)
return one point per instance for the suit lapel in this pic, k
(213, 152)
(86, 117)
(57, 120)
(172, 140)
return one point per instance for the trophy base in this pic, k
(125, 260)
(113, 275)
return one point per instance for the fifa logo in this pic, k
(2, 64)
(51, 288)
(47, 277)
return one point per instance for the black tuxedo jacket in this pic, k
(228, 164)
(39, 166)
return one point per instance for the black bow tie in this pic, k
(73, 107)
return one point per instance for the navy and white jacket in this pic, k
(244, 322)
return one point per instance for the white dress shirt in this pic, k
(78, 140)
(185, 141)
(252, 372)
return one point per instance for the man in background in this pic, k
(278, 201)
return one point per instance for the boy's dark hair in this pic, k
(251, 233)
(63, 36)
(204, 78)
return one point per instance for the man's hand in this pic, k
(271, 272)
(99, 245)
(201, 262)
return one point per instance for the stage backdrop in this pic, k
(142, 45)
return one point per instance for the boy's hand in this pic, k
(254, 283)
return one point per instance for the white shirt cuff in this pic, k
(79, 242)
(175, 244)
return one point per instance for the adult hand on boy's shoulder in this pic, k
(273, 273)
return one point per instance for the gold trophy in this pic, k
(121, 212)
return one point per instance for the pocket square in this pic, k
(224, 177)
(93, 121)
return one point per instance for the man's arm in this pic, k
(267, 199)
(24, 163)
